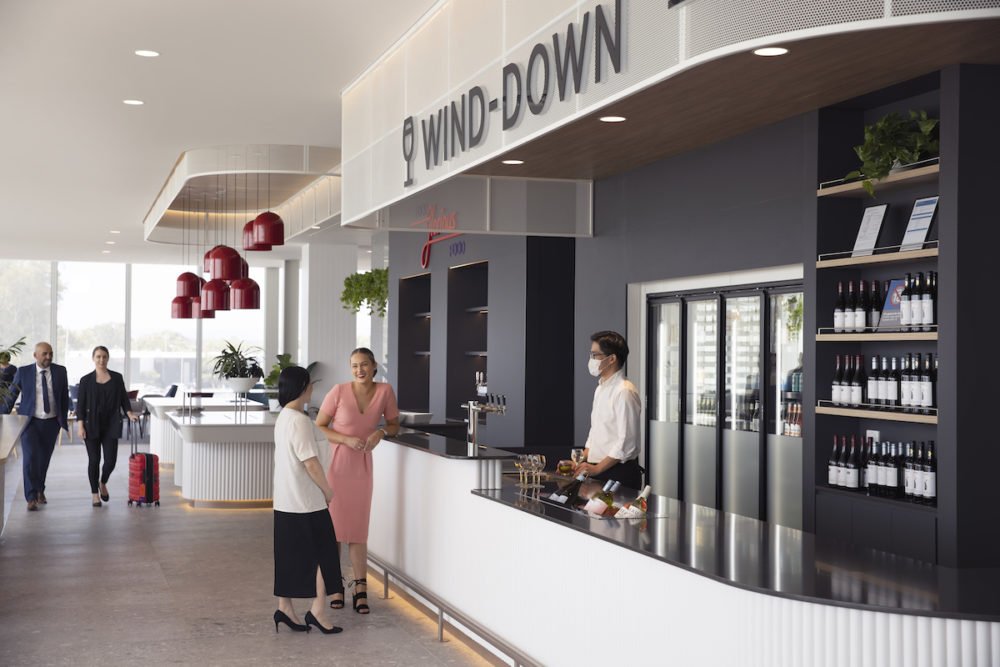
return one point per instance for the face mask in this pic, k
(594, 366)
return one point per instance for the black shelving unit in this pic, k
(468, 313)
(414, 343)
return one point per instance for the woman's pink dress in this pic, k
(350, 472)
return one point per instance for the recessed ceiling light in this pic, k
(513, 161)
(770, 51)
(146, 53)
(105, 252)
(369, 251)
(612, 119)
(134, 103)
(115, 231)
(316, 227)
(109, 242)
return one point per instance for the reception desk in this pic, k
(161, 434)
(11, 427)
(691, 586)
(223, 459)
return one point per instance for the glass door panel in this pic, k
(742, 407)
(664, 405)
(784, 422)
(702, 402)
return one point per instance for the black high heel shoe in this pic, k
(338, 604)
(105, 496)
(361, 608)
(282, 617)
(312, 620)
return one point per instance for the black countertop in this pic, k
(449, 448)
(776, 560)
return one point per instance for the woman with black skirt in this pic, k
(306, 559)
(100, 404)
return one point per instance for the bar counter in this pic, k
(161, 441)
(693, 586)
(11, 427)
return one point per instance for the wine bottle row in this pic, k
(908, 384)
(861, 310)
(885, 470)
(791, 419)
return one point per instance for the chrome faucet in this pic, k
(494, 403)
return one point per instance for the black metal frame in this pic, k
(763, 292)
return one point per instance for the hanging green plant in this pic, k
(793, 310)
(892, 142)
(370, 288)
(284, 361)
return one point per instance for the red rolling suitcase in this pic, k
(143, 473)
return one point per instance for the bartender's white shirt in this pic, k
(614, 420)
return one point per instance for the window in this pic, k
(91, 312)
(164, 350)
(26, 295)
(235, 326)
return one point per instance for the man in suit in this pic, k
(44, 393)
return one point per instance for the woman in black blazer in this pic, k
(99, 408)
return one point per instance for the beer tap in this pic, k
(494, 404)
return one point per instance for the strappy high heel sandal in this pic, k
(338, 604)
(360, 607)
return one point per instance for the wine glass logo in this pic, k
(409, 148)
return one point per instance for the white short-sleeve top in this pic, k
(296, 440)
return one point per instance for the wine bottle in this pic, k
(602, 500)
(635, 509)
(917, 303)
(892, 387)
(926, 386)
(861, 308)
(908, 471)
(927, 301)
(873, 383)
(839, 309)
(851, 307)
(831, 465)
(851, 480)
(569, 494)
(882, 471)
(891, 472)
(930, 475)
(874, 307)
(904, 305)
(836, 395)
(871, 470)
(859, 383)
(905, 391)
(842, 462)
(917, 466)
(882, 386)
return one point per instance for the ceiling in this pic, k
(78, 163)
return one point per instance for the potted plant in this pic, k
(9, 352)
(237, 368)
(370, 287)
(271, 381)
(893, 143)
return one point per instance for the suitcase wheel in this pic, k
(157, 503)
(130, 503)
(139, 504)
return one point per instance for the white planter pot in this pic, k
(240, 385)
(273, 405)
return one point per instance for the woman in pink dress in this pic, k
(349, 417)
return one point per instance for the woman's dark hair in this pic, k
(4, 357)
(102, 349)
(365, 351)
(612, 342)
(291, 383)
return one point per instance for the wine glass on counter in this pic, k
(521, 463)
(539, 467)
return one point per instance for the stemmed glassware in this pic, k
(535, 464)
(521, 462)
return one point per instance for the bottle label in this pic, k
(926, 394)
(872, 389)
(904, 312)
(891, 477)
(908, 481)
(892, 391)
(596, 506)
(859, 319)
(930, 485)
(904, 394)
(875, 316)
(855, 396)
(871, 478)
(630, 512)
(835, 394)
(851, 478)
(831, 475)
(882, 475)
(882, 390)
(838, 320)
(918, 483)
(841, 475)
(927, 306)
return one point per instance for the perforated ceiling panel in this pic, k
(910, 7)
(718, 23)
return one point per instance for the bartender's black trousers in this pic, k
(626, 472)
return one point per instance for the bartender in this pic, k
(612, 448)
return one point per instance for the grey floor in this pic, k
(171, 585)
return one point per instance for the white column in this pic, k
(326, 329)
(272, 316)
(380, 328)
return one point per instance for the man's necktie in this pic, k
(45, 393)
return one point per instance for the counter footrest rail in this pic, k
(443, 610)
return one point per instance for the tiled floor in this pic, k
(171, 585)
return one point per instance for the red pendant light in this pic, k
(215, 295)
(249, 242)
(245, 294)
(199, 314)
(188, 284)
(226, 264)
(269, 229)
(180, 308)
(207, 260)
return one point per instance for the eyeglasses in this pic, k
(598, 355)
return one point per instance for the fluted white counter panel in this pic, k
(228, 471)
(177, 444)
(162, 439)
